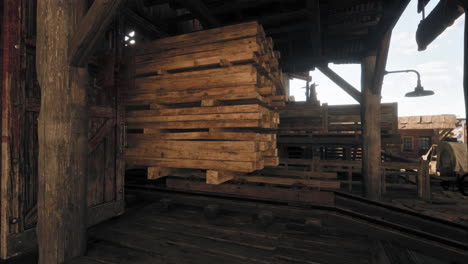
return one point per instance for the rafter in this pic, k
(143, 23)
(342, 83)
(91, 29)
(201, 12)
(315, 26)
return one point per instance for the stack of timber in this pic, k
(204, 100)
(330, 132)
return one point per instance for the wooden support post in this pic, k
(372, 73)
(63, 135)
(465, 71)
(424, 181)
(324, 118)
(371, 160)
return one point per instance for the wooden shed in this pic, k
(79, 78)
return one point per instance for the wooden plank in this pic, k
(230, 109)
(246, 190)
(193, 164)
(237, 97)
(192, 61)
(155, 173)
(241, 146)
(207, 117)
(158, 152)
(218, 177)
(290, 181)
(238, 31)
(297, 173)
(240, 75)
(96, 139)
(271, 161)
(233, 136)
(200, 124)
(90, 31)
(250, 44)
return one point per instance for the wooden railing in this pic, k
(325, 119)
(353, 167)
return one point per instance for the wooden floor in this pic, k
(186, 236)
(157, 234)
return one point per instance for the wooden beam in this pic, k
(218, 177)
(424, 181)
(201, 12)
(343, 84)
(91, 30)
(392, 13)
(441, 17)
(63, 153)
(143, 24)
(465, 76)
(370, 119)
(381, 62)
(150, 3)
(315, 26)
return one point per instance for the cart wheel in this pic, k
(463, 184)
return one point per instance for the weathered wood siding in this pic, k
(20, 111)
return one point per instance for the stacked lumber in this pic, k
(336, 119)
(205, 100)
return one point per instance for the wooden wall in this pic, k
(20, 113)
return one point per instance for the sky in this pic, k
(440, 65)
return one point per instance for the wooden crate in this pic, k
(205, 100)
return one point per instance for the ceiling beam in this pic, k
(441, 17)
(392, 12)
(150, 3)
(315, 26)
(91, 29)
(143, 24)
(342, 83)
(201, 12)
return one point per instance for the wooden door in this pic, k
(20, 111)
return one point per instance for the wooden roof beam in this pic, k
(91, 29)
(315, 22)
(391, 15)
(143, 23)
(441, 17)
(150, 3)
(201, 12)
(342, 83)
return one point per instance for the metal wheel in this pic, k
(463, 184)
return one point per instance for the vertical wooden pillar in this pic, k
(371, 138)
(424, 181)
(10, 180)
(62, 131)
(372, 74)
(465, 71)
